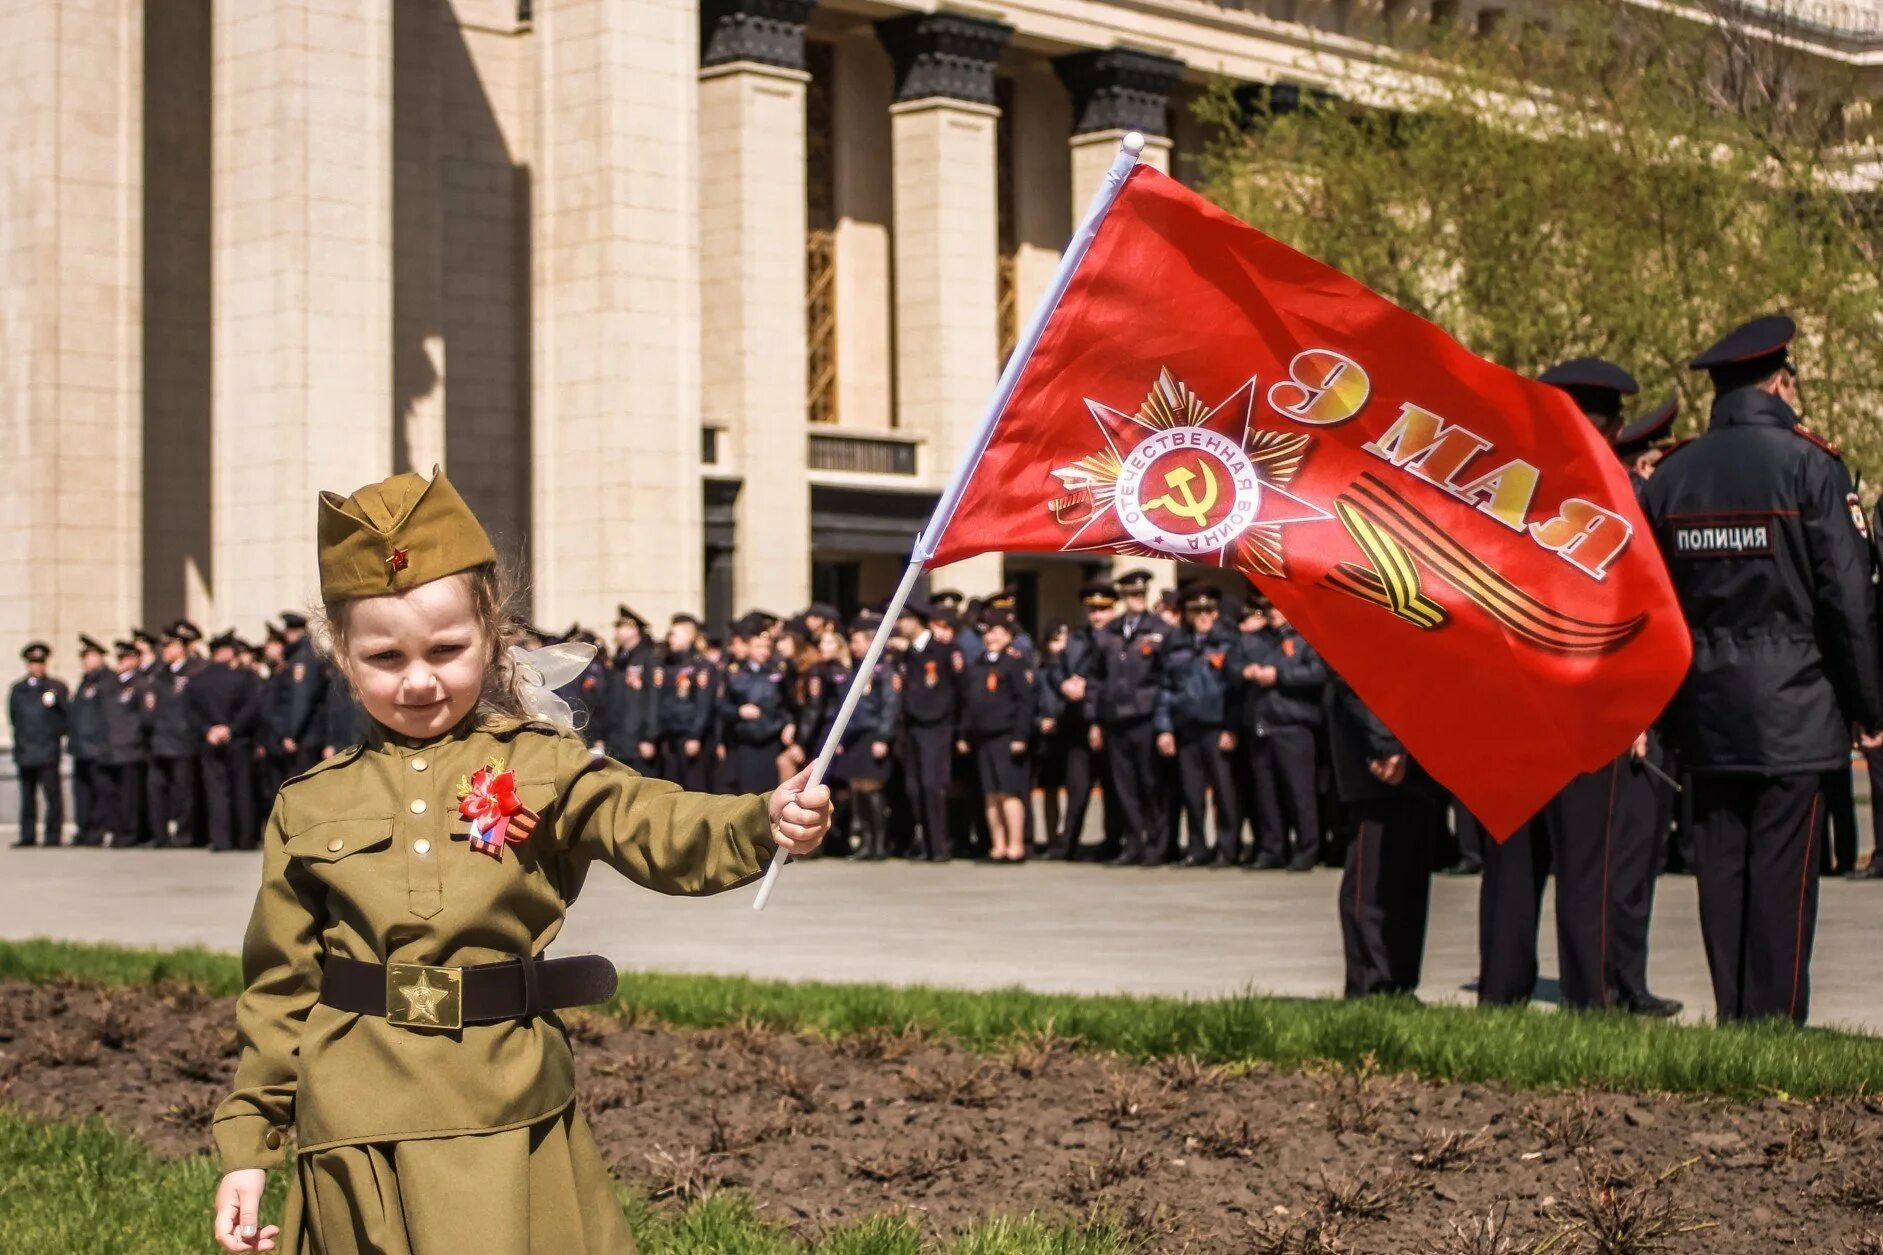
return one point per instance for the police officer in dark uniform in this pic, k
(125, 753)
(630, 735)
(37, 710)
(1872, 746)
(996, 729)
(1385, 889)
(1194, 721)
(685, 696)
(170, 784)
(755, 711)
(1126, 679)
(1596, 836)
(93, 810)
(861, 764)
(930, 694)
(1284, 678)
(296, 692)
(223, 702)
(590, 695)
(1085, 761)
(1759, 522)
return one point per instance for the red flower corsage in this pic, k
(489, 800)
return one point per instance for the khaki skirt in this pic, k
(527, 1191)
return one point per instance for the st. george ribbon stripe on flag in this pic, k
(1081, 244)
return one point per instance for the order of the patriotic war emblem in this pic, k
(1180, 478)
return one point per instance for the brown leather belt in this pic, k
(414, 995)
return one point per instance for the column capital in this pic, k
(944, 54)
(1120, 89)
(769, 32)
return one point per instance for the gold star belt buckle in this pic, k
(418, 996)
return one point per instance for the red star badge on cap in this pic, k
(398, 560)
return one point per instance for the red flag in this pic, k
(1457, 541)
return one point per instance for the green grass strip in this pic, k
(80, 1188)
(1524, 1049)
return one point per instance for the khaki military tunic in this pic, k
(366, 857)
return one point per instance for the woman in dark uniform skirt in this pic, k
(864, 760)
(996, 727)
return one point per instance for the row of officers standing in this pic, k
(1209, 732)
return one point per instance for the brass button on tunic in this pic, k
(335, 881)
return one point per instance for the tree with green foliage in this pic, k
(1620, 181)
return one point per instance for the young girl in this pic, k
(399, 1020)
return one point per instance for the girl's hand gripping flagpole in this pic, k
(1128, 154)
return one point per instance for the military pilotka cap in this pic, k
(1593, 383)
(1750, 353)
(1648, 430)
(395, 535)
(37, 651)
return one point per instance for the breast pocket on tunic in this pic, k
(328, 848)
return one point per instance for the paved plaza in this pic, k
(1046, 926)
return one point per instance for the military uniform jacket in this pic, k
(36, 709)
(630, 701)
(999, 698)
(1300, 676)
(1127, 667)
(1049, 702)
(767, 687)
(172, 734)
(1760, 529)
(86, 727)
(686, 695)
(590, 697)
(931, 684)
(1200, 681)
(822, 690)
(221, 695)
(124, 719)
(1356, 739)
(365, 857)
(295, 694)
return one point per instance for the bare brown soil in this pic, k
(1194, 1158)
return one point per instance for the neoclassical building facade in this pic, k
(696, 300)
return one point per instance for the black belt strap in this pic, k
(492, 992)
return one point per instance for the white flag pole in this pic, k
(925, 544)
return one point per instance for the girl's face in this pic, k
(828, 644)
(416, 659)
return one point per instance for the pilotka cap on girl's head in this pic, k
(397, 534)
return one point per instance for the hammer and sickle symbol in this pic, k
(1187, 506)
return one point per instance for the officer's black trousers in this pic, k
(1203, 769)
(1465, 847)
(1838, 851)
(1085, 771)
(1755, 846)
(1130, 757)
(229, 795)
(37, 783)
(869, 819)
(926, 774)
(691, 772)
(91, 801)
(1283, 764)
(1873, 759)
(170, 784)
(126, 817)
(1385, 893)
(1597, 837)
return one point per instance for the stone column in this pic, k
(1116, 91)
(752, 285)
(616, 500)
(301, 241)
(71, 184)
(946, 221)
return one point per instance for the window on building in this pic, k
(820, 242)
(1008, 288)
